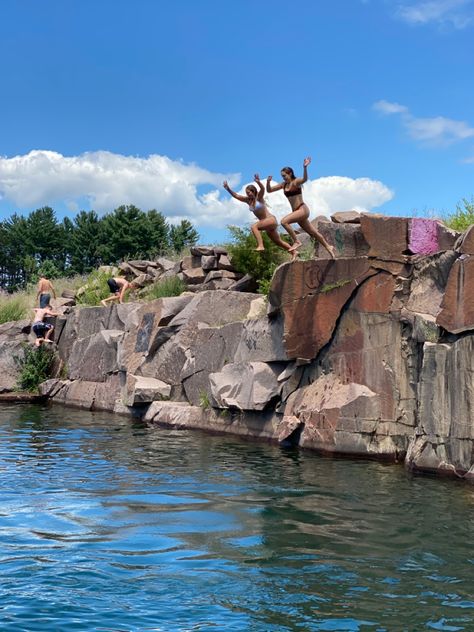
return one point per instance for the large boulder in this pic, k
(206, 351)
(360, 395)
(457, 308)
(94, 358)
(311, 295)
(387, 236)
(428, 283)
(174, 344)
(145, 332)
(143, 390)
(246, 386)
(444, 441)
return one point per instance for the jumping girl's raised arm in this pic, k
(241, 198)
(261, 188)
(277, 187)
(306, 162)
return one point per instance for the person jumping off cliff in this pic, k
(292, 188)
(266, 221)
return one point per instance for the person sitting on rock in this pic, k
(118, 286)
(45, 289)
(292, 188)
(266, 221)
(42, 330)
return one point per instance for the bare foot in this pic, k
(260, 249)
(295, 246)
(103, 303)
(294, 254)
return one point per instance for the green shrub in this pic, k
(245, 259)
(171, 286)
(35, 367)
(95, 289)
(13, 308)
(463, 217)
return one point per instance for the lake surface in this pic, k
(106, 524)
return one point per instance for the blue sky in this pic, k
(106, 102)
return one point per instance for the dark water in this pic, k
(109, 525)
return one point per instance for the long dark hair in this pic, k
(290, 172)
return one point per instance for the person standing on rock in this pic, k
(118, 286)
(266, 221)
(292, 188)
(42, 330)
(45, 289)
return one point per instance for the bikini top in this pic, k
(298, 191)
(258, 207)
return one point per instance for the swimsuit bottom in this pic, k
(41, 328)
(113, 285)
(44, 299)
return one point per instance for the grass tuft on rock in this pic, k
(171, 286)
(13, 308)
(36, 366)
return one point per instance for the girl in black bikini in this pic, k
(266, 221)
(291, 186)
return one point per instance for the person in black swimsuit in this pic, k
(118, 286)
(292, 188)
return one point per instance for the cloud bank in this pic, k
(456, 13)
(438, 130)
(103, 180)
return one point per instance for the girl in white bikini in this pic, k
(291, 186)
(266, 221)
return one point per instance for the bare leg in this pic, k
(286, 223)
(258, 236)
(301, 216)
(311, 230)
(114, 297)
(38, 342)
(48, 335)
(275, 237)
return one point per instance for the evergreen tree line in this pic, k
(41, 244)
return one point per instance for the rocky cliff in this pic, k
(369, 355)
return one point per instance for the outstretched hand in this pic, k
(269, 178)
(307, 161)
(225, 185)
(256, 177)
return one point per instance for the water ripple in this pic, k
(109, 525)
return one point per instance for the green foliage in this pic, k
(333, 286)
(95, 289)
(463, 217)
(35, 367)
(204, 400)
(260, 265)
(171, 286)
(80, 245)
(183, 235)
(12, 308)
(49, 269)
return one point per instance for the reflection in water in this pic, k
(107, 524)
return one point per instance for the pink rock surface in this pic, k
(423, 238)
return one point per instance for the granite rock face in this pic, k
(370, 354)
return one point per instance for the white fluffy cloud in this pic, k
(457, 13)
(438, 130)
(103, 180)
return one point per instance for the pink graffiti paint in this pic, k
(423, 236)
